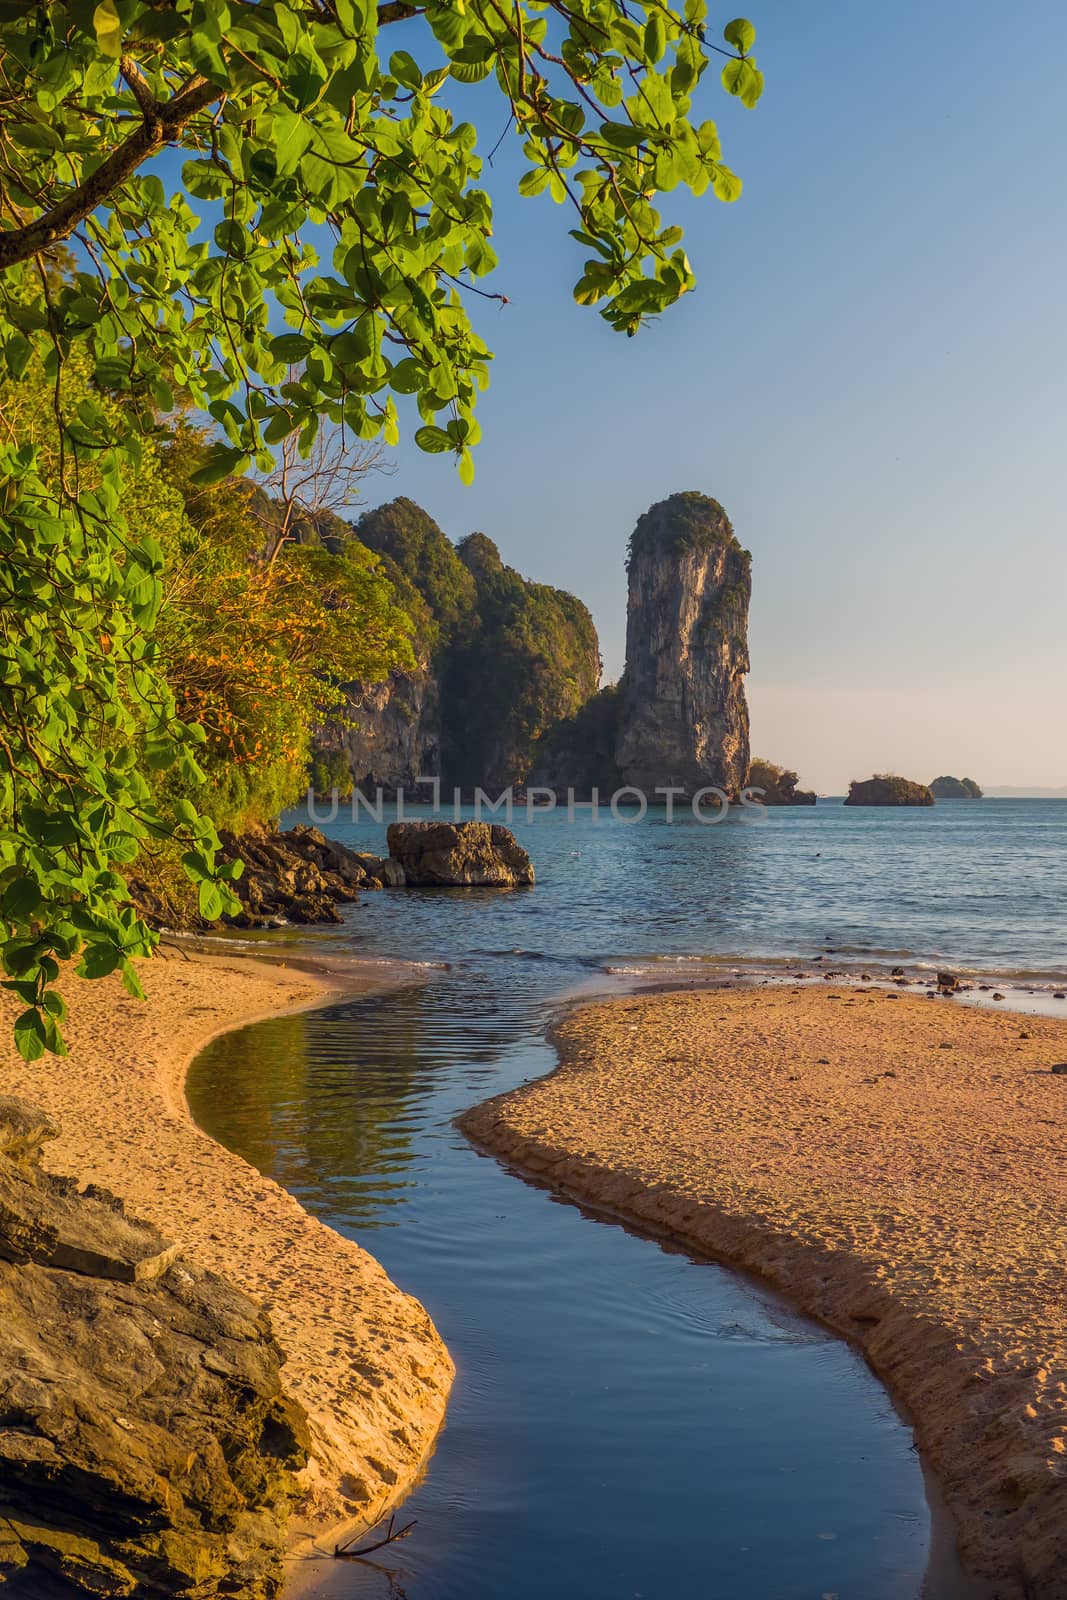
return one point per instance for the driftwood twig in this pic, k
(392, 1535)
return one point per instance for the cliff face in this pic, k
(501, 660)
(682, 714)
(395, 735)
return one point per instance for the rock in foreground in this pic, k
(146, 1447)
(459, 854)
(886, 790)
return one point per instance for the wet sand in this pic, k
(362, 1357)
(895, 1165)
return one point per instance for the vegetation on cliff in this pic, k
(955, 789)
(683, 522)
(885, 789)
(290, 119)
(579, 752)
(508, 658)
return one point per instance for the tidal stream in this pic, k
(626, 1421)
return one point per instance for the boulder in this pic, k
(383, 872)
(459, 854)
(146, 1446)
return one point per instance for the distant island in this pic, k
(885, 789)
(955, 789)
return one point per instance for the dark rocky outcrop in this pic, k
(682, 715)
(778, 785)
(146, 1445)
(297, 876)
(886, 790)
(955, 789)
(459, 854)
(301, 876)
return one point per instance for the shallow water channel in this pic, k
(626, 1422)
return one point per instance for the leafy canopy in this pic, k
(315, 261)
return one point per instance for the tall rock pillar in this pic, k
(683, 718)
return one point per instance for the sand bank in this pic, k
(895, 1165)
(363, 1358)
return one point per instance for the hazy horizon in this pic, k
(869, 377)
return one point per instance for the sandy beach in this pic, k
(895, 1165)
(362, 1357)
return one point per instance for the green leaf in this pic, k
(655, 37)
(741, 34)
(727, 184)
(434, 440)
(131, 982)
(108, 28)
(99, 960)
(292, 136)
(21, 899)
(220, 462)
(534, 181)
(405, 69)
(622, 135)
(30, 1035)
(743, 79)
(210, 900)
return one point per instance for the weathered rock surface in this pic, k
(146, 1445)
(887, 790)
(955, 789)
(394, 738)
(459, 854)
(682, 714)
(297, 876)
(778, 784)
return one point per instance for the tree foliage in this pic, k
(326, 218)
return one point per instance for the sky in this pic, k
(871, 376)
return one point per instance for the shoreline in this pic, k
(609, 1129)
(362, 1356)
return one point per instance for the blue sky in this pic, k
(870, 377)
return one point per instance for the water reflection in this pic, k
(625, 1421)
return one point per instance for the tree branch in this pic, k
(162, 123)
(395, 11)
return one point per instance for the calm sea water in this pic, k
(625, 1421)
